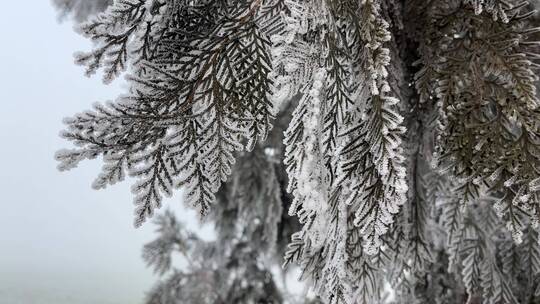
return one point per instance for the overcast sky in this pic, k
(60, 241)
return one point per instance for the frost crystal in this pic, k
(403, 138)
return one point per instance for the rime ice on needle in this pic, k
(412, 153)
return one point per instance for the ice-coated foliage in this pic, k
(81, 9)
(389, 149)
(214, 274)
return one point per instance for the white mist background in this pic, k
(60, 241)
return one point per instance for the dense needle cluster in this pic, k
(395, 142)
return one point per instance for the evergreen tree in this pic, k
(395, 142)
(217, 272)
